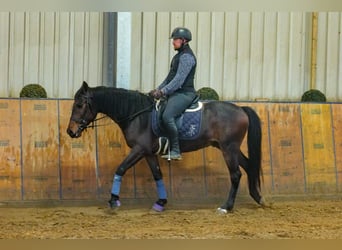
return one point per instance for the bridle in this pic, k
(83, 123)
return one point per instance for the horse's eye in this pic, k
(79, 105)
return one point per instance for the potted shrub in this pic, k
(313, 95)
(33, 90)
(207, 93)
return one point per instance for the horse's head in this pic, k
(83, 111)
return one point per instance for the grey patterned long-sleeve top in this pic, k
(178, 77)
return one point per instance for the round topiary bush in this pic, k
(313, 95)
(33, 90)
(207, 93)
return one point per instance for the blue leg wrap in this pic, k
(116, 184)
(161, 189)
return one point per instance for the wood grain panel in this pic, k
(77, 159)
(10, 150)
(318, 148)
(337, 136)
(286, 150)
(40, 149)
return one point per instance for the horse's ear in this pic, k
(85, 86)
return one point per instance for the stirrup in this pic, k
(172, 156)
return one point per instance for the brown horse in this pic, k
(224, 126)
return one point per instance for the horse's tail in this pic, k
(254, 137)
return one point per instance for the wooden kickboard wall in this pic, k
(301, 147)
(10, 151)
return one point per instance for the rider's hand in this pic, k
(156, 93)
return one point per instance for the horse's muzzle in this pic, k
(75, 129)
(76, 134)
(73, 134)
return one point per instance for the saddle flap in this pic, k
(188, 124)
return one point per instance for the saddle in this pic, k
(188, 123)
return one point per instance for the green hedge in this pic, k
(207, 93)
(313, 95)
(33, 90)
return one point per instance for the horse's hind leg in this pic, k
(230, 154)
(252, 183)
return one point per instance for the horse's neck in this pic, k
(118, 104)
(107, 104)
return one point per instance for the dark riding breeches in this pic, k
(176, 104)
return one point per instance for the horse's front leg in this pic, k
(133, 157)
(153, 163)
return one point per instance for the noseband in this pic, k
(82, 124)
(82, 121)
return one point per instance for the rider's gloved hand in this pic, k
(156, 93)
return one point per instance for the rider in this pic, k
(178, 87)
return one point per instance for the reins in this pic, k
(132, 116)
(128, 118)
(94, 125)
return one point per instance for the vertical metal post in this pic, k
(110, 28)
(314, 32)
(123, 69)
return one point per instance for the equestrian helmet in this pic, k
(181, 32)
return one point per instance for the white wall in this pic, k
(329, 55)
(55, 49)
(242, 55)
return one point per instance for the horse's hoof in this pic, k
(266, 204)
(157, 208)
(221, 210)
(263, 203)
(114, 204)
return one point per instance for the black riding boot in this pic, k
(172, 131)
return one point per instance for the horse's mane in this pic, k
(120, 103)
